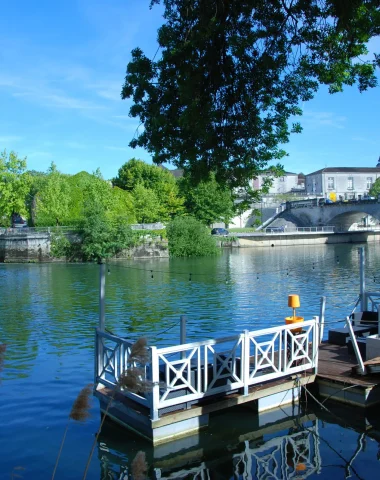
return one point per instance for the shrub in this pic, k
(187, 237)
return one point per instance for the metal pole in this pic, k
(102, 290)
(363, 296)
(322, 318)
(182, 334)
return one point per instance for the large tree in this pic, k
(231, 76)
(53, 199)
(155, 185)
(14, 186)
(208, 201)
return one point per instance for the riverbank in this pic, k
(306, 238)
(34, 247)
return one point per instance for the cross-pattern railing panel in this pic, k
(281, 351)
(112, 360)
(186, 373)
(208, 368)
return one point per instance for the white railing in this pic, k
(26, 230)
(288, 229)
(184, 374)
(112, 360)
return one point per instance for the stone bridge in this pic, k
(340, 214)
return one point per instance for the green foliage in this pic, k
(61, 198)
(60, 246)
(14, 186)
(154, 189)
(375, 189)
(53, 199)
(231, 75)
(188, 237)
(146, 204)
(102, 235)
(208, 201)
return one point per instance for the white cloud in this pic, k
(323, 119)
(110, 90)
(10, 139)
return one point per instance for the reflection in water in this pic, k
(238, 445)
(281, 449)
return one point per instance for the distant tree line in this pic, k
(140, 193)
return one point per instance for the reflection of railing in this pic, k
(296, 455)
(187, 373)
(290, 456)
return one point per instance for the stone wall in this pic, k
(35, 247)
(25, 247)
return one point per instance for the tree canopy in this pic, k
(225, 89)
(208, 201)
(14, 186)
(154, 189)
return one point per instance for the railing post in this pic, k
(245, 362)
(182, 340)
(355, 345)
(316, 340)
(363, 296)
(155, 397)
(102, 289)
(99, 356)
(322, 318)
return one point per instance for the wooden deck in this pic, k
(337, 378)
(336, 364)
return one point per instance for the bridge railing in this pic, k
(181, 375)
(288, 229)
(25, 230)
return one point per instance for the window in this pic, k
(350, 184)
(369, 183)
(330, 183)
(282, 179)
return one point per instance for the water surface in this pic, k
(47, 317)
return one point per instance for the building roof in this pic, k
(346, 170)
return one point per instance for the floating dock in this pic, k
(167, 393)
(175, 391)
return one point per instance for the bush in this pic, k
(60, 246)
(187, 237)
(102, 236)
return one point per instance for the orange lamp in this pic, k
(294, 302)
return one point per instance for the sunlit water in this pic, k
(47, 317)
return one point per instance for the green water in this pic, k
(47, 317)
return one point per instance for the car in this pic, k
(220, 231)
(18, 221)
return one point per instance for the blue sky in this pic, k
(62, 66)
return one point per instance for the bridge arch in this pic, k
(343, 215)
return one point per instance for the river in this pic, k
(47, 317)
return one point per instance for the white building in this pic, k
(342, 183)
(284, 184)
